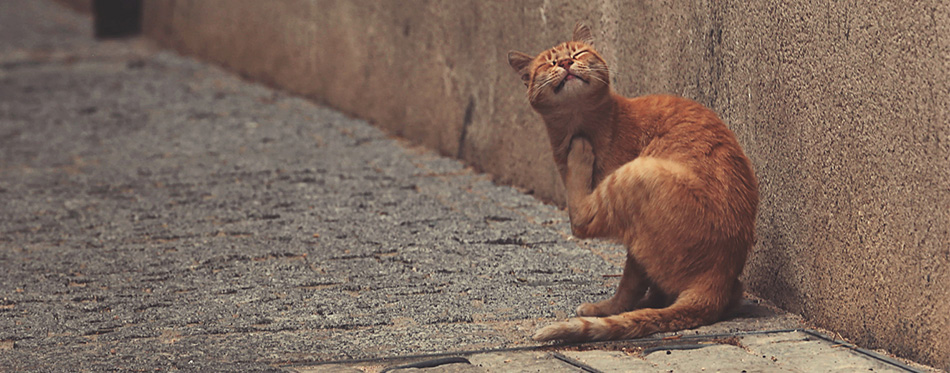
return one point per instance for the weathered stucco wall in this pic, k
(842, 108)
(82, 6)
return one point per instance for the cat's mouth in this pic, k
(567, 78)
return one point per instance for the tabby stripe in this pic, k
(611, 326)
(585, 326)
(608, 199)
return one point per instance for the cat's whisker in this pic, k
(587, 68)
(598, 78)
(544, 83)
(592, 73)
(537, 90)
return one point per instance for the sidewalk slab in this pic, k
(798, 351)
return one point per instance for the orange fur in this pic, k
(662, 175)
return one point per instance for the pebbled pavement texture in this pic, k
(159, 213)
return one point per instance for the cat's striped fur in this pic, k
(661, 174)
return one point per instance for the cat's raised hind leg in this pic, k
(580, 168)
(633, 285)
(582, 209)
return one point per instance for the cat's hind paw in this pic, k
(589, 309)
(600, 309)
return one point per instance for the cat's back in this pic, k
(679, 129)
(674, 127)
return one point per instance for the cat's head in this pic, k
(571, 73)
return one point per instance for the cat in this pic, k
(661, 174)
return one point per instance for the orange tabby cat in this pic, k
(661, 174)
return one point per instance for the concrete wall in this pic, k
(841, 108)
(82, 6)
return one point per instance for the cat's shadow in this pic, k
(754, 308)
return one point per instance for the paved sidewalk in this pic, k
(160, 213)
(765, 351)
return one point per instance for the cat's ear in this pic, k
(520, 61)
(582, 34)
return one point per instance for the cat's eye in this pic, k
(578, 54)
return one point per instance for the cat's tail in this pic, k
(689, 311)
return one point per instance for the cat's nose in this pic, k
(565, 63)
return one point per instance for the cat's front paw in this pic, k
(599, 309)
(588, 309)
